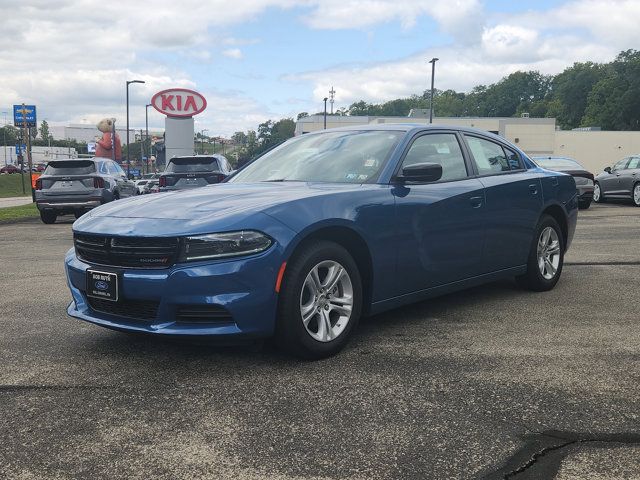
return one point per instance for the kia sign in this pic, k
(179, 102)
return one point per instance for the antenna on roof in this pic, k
(332, 94)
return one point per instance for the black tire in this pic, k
(48, 217)
(584, 205)
(116, 195)
(79, 213)
(291, 334)
(598, 198)
(633, 196)
(533, 279)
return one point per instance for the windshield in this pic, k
(70, 167)
(547, 162)
(192, 164)
(340, 157)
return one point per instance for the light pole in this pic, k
(202, 139)
(433, 73)
(325, 112)
(128, 156)
(146, 133)
(4, 130)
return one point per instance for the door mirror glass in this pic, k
(607, 169)
(422, 172)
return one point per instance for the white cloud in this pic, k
(456, 17)
(235, 53)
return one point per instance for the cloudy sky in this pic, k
(259, 59)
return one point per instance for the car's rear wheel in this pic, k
(48, 217)
(584, 204)
(546, 257)
(598, 197)
(636, 194)
(320, 301)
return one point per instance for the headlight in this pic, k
(221, 245)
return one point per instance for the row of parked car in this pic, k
(74, 186)
(9, 169)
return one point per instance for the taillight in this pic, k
(39, 184)
(98, 182)
(162, 181)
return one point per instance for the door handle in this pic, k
(533, 188)
(476, 202)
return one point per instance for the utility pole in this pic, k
(433, 74)
(129, 82)
(146, 138)
(325, 112)
(332, 95)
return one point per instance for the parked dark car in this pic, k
(622, 181)
(75, 186)
(321, 230)
(194, 171)
(584, 179)
(10, 169)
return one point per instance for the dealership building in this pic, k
(595, 149)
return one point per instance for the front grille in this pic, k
(137, 309)
(133, 252)
(203, 314)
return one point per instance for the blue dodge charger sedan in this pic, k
(322, 230)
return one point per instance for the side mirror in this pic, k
(607, 169)
(422, 172)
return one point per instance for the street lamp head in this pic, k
(135, 81)
(434, 60)
(325, 99)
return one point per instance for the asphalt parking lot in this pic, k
(494, 382)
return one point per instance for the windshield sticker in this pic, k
(351, 176)
(370, 162)
(363, 177)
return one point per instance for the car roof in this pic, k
(408, 127)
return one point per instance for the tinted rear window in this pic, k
(71, 167)
(192, 164)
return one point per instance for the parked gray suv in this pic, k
(620, 181)
(75, 186)
(194, 171)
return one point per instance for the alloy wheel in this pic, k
(326, 301)
(636, 194)
(548, 253)
(596, 193)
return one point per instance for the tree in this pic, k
(44, 131)
(302, 115)
(571, 89)
(614, 101)
(239, 138)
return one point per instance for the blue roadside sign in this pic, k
(135, 172)
(20, 149)
(27, 113)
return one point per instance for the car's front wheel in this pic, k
(48, 217)
(546, 257)
(320, 301)
(597, 193)
(636, 195)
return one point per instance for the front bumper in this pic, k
(243, 287)
(585, 192)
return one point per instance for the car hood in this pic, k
(225, 204)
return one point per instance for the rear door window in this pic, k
(192, 164)
(70, 167)
(491, 158)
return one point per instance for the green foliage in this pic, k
(587, 94)
(614, 101)
(44, 130)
